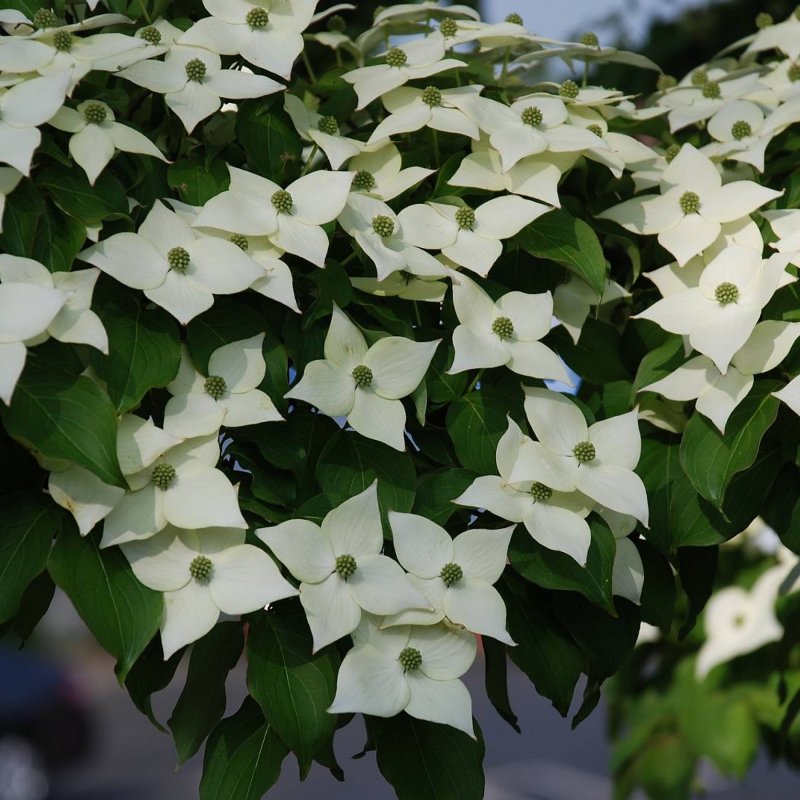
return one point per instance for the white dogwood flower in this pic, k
(379, 173)
(785, 224)
(84, 495)
(785, 36)
(404, 285)
(790, 394)
(204, 573)
(364, 383)
(341, 569)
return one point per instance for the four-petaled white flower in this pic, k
(379, 173)
(341, 569)
(363, 383)
(204, 573)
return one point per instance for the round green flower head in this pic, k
(711, 90)
(596, 130)
(699, 77)
(514, 18)
(150, 34)
(665, 82)
(726, 293)
(671, 152)
(431, 96)
(215, 386)
(200, 568)
(410, 658)
(178, 259)
(584, 452)
(503, 327)
(741, 130)
(328, 125)
(569, 89)
(337, 24)
(465, 217)
(346, 565)
(282, 201)
(764, 20)
(364, 181)
(257, 18)
(95, 113)
(45, 18)
(362, 375)
(62, 41)
(195, 70)
(540, 492)
(448, 28)
(396, 57)
(793, 73)
(163, 475)
(589, 39)
(532, 115)
(383, 225)
(240, 240)
(451, 573)
(690, 203)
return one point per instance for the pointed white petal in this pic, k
(398, 365)
(320, 196)
(474, 252)
(84, 495)
(328, 387)
(130, 259)
(137, 515)
(557, 422)
(721, 399)
(162, 561)
(183, 297)
(189, 614)
(380, 586)
(493, 494)
(627, 577)
(354, 527)
(301, 239)
(617, 440)
(201, 498)
(370, 682)
(443, 701)
(476, 350)
(506, 216)
(302, 547)
(559, 529)
(536, 360)
(240, 363)
(421, 546)
(331, 611)
(620, 489)
(446, 653)
(196, 414)
(193, 103)
(481, 553)
(378, 418)
(344, 344)
(536, 462)
(92, 148)
(478, 607)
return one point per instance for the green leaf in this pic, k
(496, 680)
(660, 362)
(202, 702)
(33, 606)
(75, 196)
(560, 237)
(697, 567)
(64, 417)
(268, 137)
(597, 357)
(145, 352)
(194, 183)
(711, 459)
(426, 761)
(122, 614)
(436, 490)
(293, 687)
(658, 591)
(243, 757)
(28, 523)
(150, 674)
(475, 424)
(782, 507)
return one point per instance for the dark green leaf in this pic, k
(496, 680)
(150, 674)
(73, 194)
(436, 491)
(33, 606)
(194, 183)
(270, 141)
(697, 567)
(660, 362)
(658, 591)
(782, 507)
(475, 424)
(597, 357)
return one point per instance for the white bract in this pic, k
(364, 383)
(790, 394)
(380, 173)
(9, 179)
(204, 573)
(341, 569)
(573, 299)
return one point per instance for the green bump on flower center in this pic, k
(584, 452)
(465, 217)
(711, 90)
(741, 129)
(532, 115)
(163, 475)
(282, 201)
(95, 113)
(62, 41)
(215, 386)
(337, 24)
(200, 568)
(257, 18)
(671, 152)
(150, 34)
(726, 292)
(540, 492)
(596, 130)
(383, 225)
(451, 573)
(328, 125)
(569, 89)
(515, 18)
(346, 565)
(764, 20)
(362, 375)
(195, 70)
(410, 658)
(793, 73)
(178, 259)
(665, 82)
(589, 39)
(431, 96)
(240, 240)
(699, 77)
(44, 18)
(364, 180)
(503, 327)
(396, 57)
(448, 28)
(690, 203)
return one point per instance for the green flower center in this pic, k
(690, 203)
(589, 39)
(362, 375)
(431, 96)
(45, 18)
(215, 386)
(95, 113)
(240, 240)
(793, 73)
(337, 24)
(726, 292)
(764, 20)
(364, 181)
(396, 57)
(410, 658)
(515, 18)
(503, 327)
(178, 259)
(383, 226)
(569, 89)
(465, 217)
(282, 201)
(328, 125)
(699, 77)
(163, 475)
(711, 90)
(200, 568)
(532, 115)
(596, 130)
(62, 41)
(448, 28)
(150, 34)
(665, 82)
(671, 152)
(257, 18)
(584, 452)
(451, 573)
(346, 565)
(741, 129)
(195, 70)
(540, 492)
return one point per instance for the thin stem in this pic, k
(348, 259)
(475, 380)
(416, 314)
(435, 137)
(504, 72)
(585, 72)
(309, 69)
(144, 11)
(314, 151)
